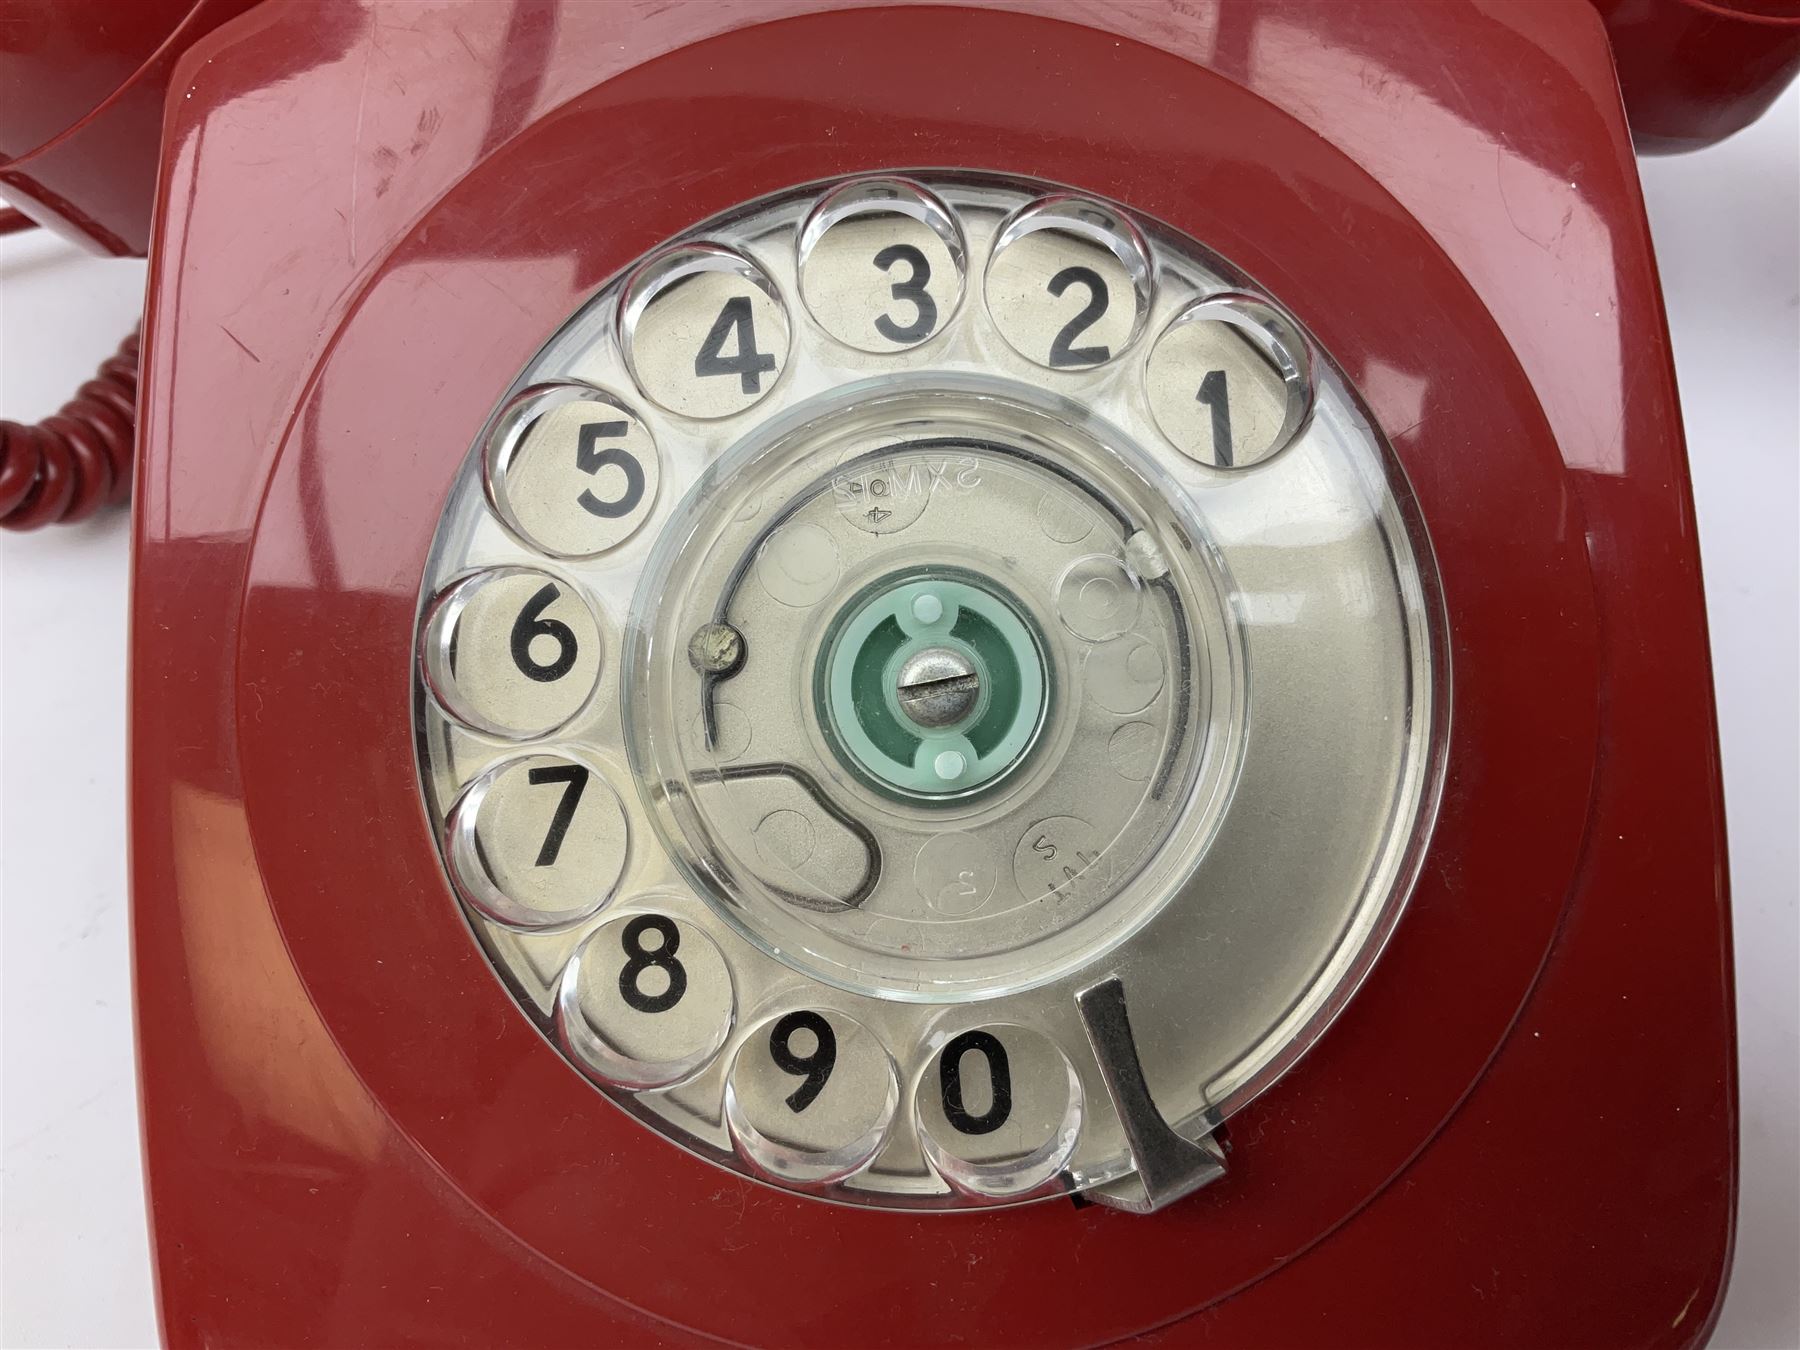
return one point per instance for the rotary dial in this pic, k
(930, 693)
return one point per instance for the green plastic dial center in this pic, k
(932, 684)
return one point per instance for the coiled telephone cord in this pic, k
(68, 466)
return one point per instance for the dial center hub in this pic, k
(932, 684)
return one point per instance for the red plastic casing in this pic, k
(85, 83)
(1521, 1131)
(1693, 72)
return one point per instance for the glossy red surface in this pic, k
(81, 120)
(1694, 71)
(1522, 1129)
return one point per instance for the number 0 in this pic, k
(950, 1081)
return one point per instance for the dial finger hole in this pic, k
(1063, 518)
(645, 1002)
(572, 470)
(998, 1110)
(881, 263)
(1069, 283)
(704, 331)
(511, 651)
(1229, 382)
(810, 1096)
(538, 843)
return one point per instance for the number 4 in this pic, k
(749, 364)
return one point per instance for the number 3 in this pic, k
(925, 310)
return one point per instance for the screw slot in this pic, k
(938, 687)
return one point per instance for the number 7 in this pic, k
(574, 779)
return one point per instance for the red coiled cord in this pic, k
(66, 467)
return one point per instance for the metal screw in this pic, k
(938, 687)
(716, 649)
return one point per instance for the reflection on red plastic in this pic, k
(353, 1136)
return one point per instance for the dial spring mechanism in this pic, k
(930, 688)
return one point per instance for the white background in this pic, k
(74, 1267)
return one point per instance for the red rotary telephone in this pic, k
(896, 675)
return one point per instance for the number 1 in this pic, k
(1212, 395)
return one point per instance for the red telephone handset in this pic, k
(791, 664)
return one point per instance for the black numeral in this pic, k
(749, 364)
(925, 310)
(1212, 395)
(815, 1068)
(528, 626)
(999, 1072)
(574, 779)
(590, 460)
(660, 958)
(1061, 353)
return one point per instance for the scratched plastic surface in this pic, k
(353, 1137)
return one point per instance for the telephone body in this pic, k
(749, 620)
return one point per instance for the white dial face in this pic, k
(931, 693)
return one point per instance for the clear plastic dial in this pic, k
(1005, 682)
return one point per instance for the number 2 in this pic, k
(1212, 395)
(749, 365)
(1061, 353)
(925, 310)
